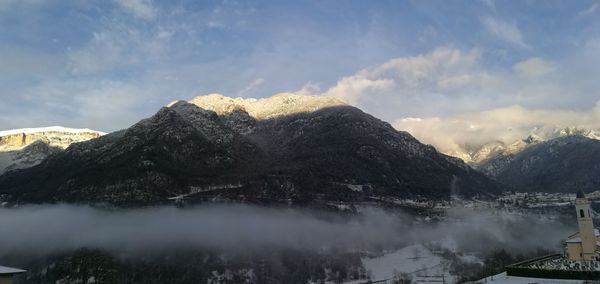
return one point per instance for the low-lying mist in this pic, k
(47, 229)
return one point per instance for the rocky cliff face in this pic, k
(284, 149)
(23, 148)
(55, 136)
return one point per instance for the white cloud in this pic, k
(591, 10)
(253, 85)
(444, 71)
(102, 52)
(310, 89)
(138, 8)
(534, 67)
(507, 124)
(119, 45)
(350, 89)
(508, 32)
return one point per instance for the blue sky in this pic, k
(107, 64)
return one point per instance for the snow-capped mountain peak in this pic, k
(282, 104)
(480, 154)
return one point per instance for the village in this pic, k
(508, 200)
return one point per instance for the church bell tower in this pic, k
(586, 227)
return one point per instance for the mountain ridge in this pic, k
(563, 164)
(479, 154)
(301, 150)
(26, 147)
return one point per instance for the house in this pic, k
(7, 273)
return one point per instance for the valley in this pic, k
(287, 189)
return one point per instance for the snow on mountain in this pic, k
(26, 147)
(282, 104)
(547, 160)
(479, 155)
(48, 129)
(563, 164)
(56, 136)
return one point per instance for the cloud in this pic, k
(508, 32)
(253, 85)
(441, 70)
(534, 67)
(469, 131)
(120, 46)
(138, 8)
(101, 53)
(418, 82)
(591, 10)
(351, 88)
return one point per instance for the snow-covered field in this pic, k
(416, 261)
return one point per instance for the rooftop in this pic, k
(502, 278)
(575, 238)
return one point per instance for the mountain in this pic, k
(491, 158)
(547, 160)
(284, 149)
(27, 147)
(564, 164)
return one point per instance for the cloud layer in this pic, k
(471, 130)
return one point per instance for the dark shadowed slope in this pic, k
(284, 149)
(565, 164)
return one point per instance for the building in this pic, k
(584, 244)
(7, 273)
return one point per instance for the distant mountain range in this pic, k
(284, 149)
(480, 154)
(563, 160)
(565, 164)
(27, 147)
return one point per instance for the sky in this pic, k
(447, 69)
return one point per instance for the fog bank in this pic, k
(57, 228)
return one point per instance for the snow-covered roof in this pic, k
(48, 129)
(502, 278)
(10, 270)
(574, 238)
